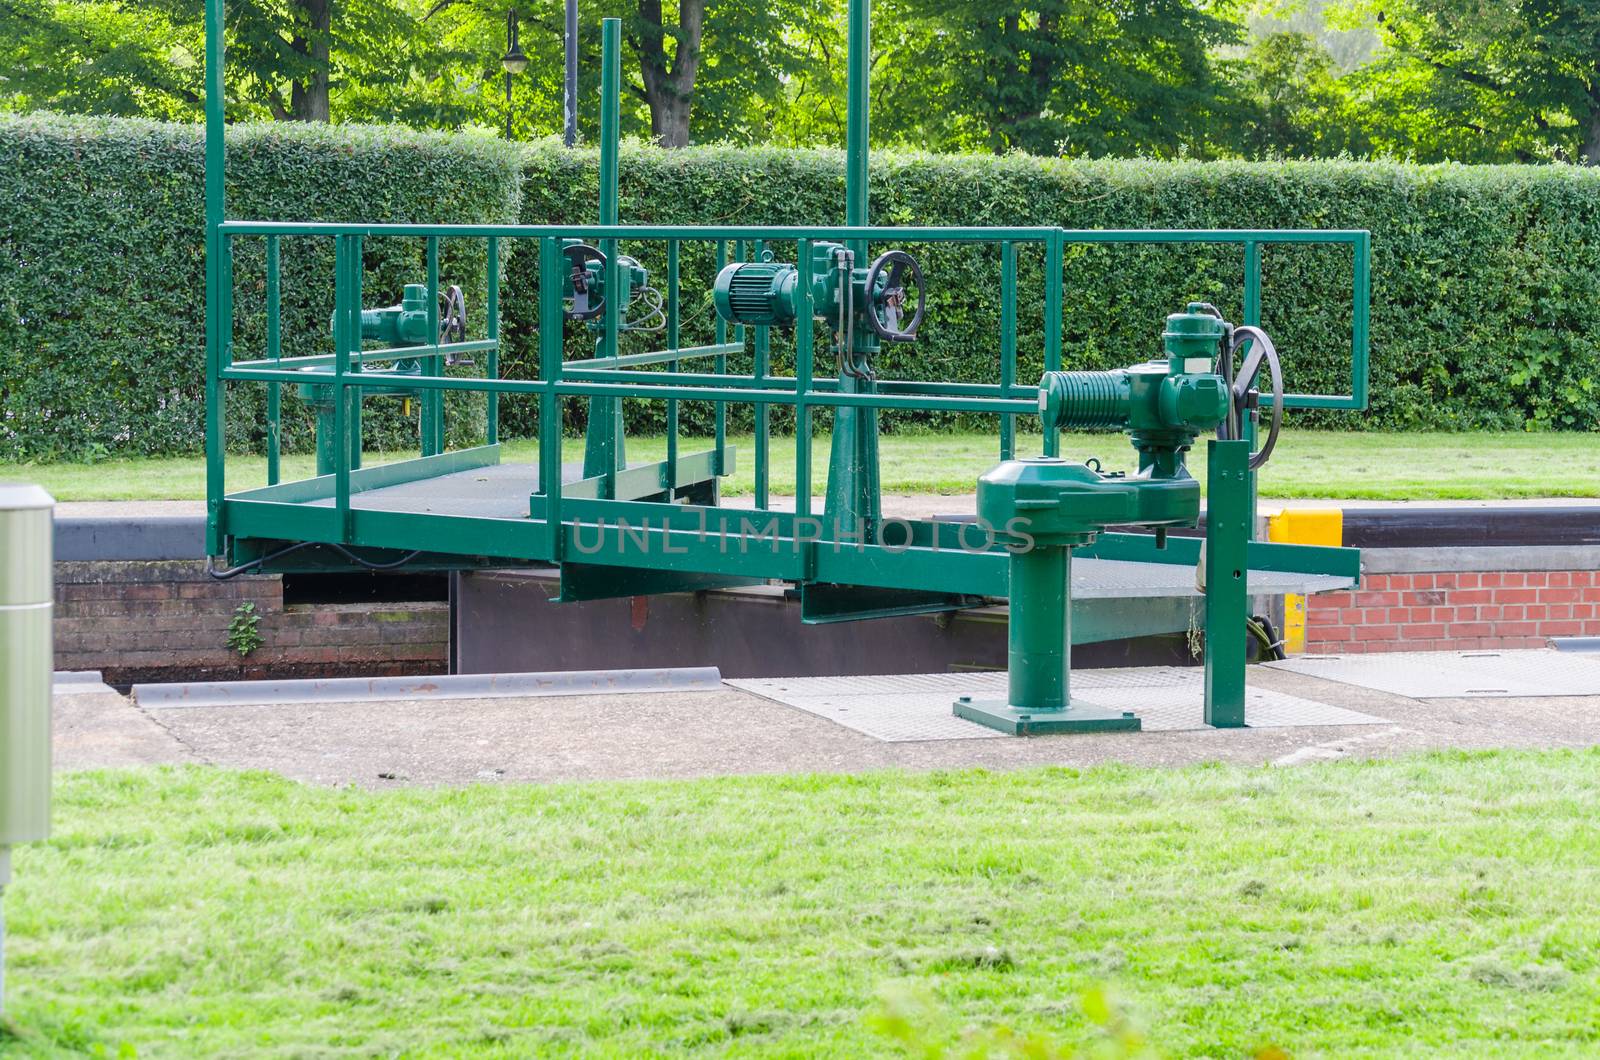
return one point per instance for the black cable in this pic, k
(244, 568)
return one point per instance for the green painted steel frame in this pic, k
(613, 519)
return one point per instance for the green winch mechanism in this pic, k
(399, 326)
(1043, 507)
(584, 292)
(844, 295)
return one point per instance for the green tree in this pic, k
(1301, 108)
(1477, 81)
(1075, 77)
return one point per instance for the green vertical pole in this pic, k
(719, 364)
(492, 367)
(1360, 318)
(802, 389)
(432, 400)
(1252, 316)
(550, 324)
(1039, 628)
(604, 449)
(674, 342)
(1008, 344)
(1228, 519)
(275, 352)
(1052, 326)
(341, 399)
(853, 494)
(762, 367)
(859, 58)
(215, 208)
(353, 337)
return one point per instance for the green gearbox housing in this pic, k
(405, 324)
(1163, 406)
(764, 292)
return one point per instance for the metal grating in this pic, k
(1457, 674)
(911, 707)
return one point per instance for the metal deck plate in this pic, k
(1457, 674)
(918, 706)
(498, 491)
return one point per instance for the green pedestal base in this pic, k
(1019, 721)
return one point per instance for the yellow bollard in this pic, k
(1303, 526)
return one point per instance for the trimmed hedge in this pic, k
(102, 269)
(1485, 281)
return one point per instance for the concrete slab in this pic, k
(104, 730)
(910, 707)
(692, 734)
(1458, 674)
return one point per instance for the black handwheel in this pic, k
(1242, 395)
(884, 307)
(453, 322)
(453, 316)
(583, 305)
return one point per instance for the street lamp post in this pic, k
(514, 61)
(569, 133)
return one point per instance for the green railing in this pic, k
(610, 374)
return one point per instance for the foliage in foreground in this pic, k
(1423, 905)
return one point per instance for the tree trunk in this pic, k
(1590, 152)
(669, 88)
(308, 97)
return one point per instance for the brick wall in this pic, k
(1458, 610)
(166, 620)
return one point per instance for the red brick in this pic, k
(1428, 632)
(1517, 629)
(1422, 581)
(1566, 628)
(1472, 596)
(1559, 596)
(1517, 596)
(1470, 629)
(1536, 578)
(1399, 581)
(1559, 579)
(1512, 614)
(1377, 599)
(1378, 632)
(1428, 597)
(1490, 614)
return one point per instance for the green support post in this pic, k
(1047, 506)
(605, 450)
(216, 148)
(854, 499)
(274, 352)
(430, 428)
(1227, 572)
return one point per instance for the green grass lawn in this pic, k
(1440, 904)
(1329, 464)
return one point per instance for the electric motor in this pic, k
(756, 292)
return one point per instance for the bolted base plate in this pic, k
(1023, 721)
